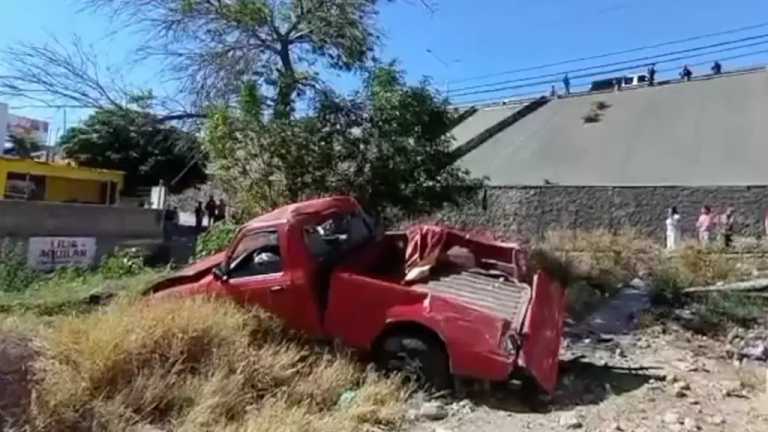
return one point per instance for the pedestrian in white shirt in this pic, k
(674, 236)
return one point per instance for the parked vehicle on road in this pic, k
(432, 302)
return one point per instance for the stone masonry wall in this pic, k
(530, 211)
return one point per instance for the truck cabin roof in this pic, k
(290, 212)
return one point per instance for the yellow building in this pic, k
(28, 179)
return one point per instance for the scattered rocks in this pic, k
(690, 425)
(671, 418)
(671, 378)
(732, 389)
(613, 427)
(462, 408)
(716, 420)
(433, 411)
(680, 389)
(755, 350)
(571, 421)
(752, 345)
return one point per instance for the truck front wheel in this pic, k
(419, 358)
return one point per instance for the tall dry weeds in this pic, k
(199, 365)
(603, 258)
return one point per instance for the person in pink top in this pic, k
(705, 226)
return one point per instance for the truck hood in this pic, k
(189, 274)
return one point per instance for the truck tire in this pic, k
(420, 358)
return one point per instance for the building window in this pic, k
(25, 187)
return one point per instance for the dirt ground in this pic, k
(16, 355)
(659, 378)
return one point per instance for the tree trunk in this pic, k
(286, 85)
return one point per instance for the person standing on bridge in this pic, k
(652, 74)
(686, 73)
(673, 229)
(717, 68)
(567, 84)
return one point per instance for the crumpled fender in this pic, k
(189, 274)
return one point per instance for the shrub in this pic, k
(215, 240)
(15, 276)
(717, 313)
(605, 259)
(122, 263)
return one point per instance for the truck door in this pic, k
(543, 330)
(256, 271)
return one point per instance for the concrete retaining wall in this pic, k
(111, 226)
(530, 211)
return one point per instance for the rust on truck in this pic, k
(433, 301)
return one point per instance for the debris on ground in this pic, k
(749, 344)
(433, 411)
(744, 286)
(616, 376)
(571, 421)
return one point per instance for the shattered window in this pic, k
(257, 254)
(253, 242)
(338, 233)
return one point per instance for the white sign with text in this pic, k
(48, 253)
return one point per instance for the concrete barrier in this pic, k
(111, 227)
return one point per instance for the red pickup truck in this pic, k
(431, 302)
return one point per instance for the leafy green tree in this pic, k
(24, 144)
(136, 142)
(387, 146)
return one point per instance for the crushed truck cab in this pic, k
(431, 302)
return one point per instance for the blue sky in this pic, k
(473, 37)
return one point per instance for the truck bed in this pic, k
(490, 293)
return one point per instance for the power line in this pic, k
(604, 65)
(614, 53)
(588, 82)
(601, 72)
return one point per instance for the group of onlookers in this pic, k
(215, 211)
(709, 227)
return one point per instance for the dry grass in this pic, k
(199, 365)
(603, 258)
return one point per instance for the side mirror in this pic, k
(219, 274)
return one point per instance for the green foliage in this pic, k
(24, 144)
(135, 142)
(387, 146)
(692, 266)
(215, 240)
(14, 274)
(122, 263)
(717, 312)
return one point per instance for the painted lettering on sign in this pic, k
(47, 253)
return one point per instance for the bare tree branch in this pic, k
(55, 75)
